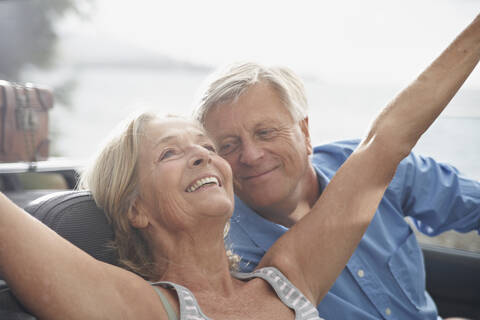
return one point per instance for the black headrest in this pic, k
(75, 216)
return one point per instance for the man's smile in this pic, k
(258, 175)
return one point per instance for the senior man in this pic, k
(257, 116)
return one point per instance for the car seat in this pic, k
(74, 216)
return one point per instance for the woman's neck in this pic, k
(198, 261)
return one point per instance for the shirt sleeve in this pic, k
(436, 196)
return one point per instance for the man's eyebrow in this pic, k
(227, 136)
(266, 122)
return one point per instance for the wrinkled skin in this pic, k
(267, 150)
(174, 154)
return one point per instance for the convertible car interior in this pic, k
(45, 186)
(452, 275)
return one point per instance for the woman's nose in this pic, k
(200, 156)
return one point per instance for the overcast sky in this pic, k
(371, 41)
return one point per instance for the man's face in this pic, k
(267, 150)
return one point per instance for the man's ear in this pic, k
(304, 127)
(137, 217)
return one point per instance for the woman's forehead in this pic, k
(167, 128)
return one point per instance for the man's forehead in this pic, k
(226, 119)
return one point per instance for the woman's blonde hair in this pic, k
(113, 181)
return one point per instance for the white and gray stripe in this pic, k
(285, 290)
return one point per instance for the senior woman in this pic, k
(169, 197)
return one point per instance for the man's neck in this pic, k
(291, 210)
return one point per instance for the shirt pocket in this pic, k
(408, 270)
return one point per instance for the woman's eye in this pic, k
(210, 147)
(167, 154)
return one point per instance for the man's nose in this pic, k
(250, 152)
(199, 156)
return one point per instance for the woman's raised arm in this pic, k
(314, 251)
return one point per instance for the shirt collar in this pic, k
(260, 230)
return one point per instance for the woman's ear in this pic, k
(306, 133)
(137, 217)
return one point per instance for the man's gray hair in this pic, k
(231, 82)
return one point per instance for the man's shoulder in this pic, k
(334, 153)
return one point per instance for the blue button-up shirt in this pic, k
(385, 277)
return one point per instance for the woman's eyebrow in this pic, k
(164, 140)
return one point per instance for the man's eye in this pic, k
(227, 148)
(266, 133)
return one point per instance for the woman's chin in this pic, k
(216, 207)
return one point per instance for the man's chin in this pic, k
(259, 201)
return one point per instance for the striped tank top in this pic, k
(285, 290)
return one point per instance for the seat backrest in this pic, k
(74, 216)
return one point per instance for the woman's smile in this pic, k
(202, 183)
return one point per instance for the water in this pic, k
(104, 96)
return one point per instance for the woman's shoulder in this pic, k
(290, 295)
(184, 303)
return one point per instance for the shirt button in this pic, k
(361, 273)
(388, 311)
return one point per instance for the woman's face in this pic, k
(182, 179)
